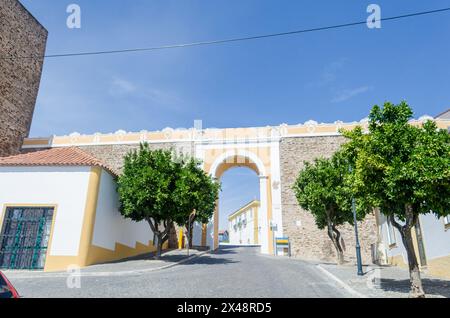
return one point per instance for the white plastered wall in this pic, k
(65, 187)
(110, 226)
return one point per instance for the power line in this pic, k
(204, 43)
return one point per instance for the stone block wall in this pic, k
(307, 241)
(113, 155)
(20, 35)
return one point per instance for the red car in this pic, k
(7, 290)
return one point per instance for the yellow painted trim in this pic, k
(439, 267)
(180, 239)
(98, 255)
(36, 141)
(415, 240)
(216, 226)
(226, 133)
(90, 210)
(55, 262)
(235, 214)
(397, 260)
(204, 232)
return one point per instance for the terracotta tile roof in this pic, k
(66, 156)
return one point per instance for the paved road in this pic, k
(229, 272)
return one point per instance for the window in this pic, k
(447, 221)
(24, 237)
(390, 233)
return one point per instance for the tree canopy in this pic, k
(195, 192)
(163, 190)
(322, 190)
(403, 169)
(145, 190)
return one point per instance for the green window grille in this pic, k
(24, 237)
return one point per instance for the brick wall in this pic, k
(20, 35)
(307, 241)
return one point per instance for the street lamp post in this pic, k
(358, 247)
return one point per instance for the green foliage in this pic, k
(195, 190)
(321, 189)
(161, 189)
(398, 164)
(145, 188)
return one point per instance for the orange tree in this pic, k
(145, 190)
(403, 170)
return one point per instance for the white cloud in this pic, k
(329, 73)
(120, 86)
(349, 93)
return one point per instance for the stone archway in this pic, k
(217, 160)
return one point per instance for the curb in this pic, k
(107, 274)
(341, 283)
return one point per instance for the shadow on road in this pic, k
(208, 260)
(430, 286)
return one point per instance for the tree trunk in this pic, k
(161, 236)
(159, 248)
(188, 234)
(340, 250)
(413, 266)
(189, 226)
(414, 272)
(335, 239)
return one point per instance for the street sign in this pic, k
(282, 242)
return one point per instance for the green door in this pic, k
(24, 237)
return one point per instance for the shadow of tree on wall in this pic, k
(431, 286)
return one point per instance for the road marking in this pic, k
(341, 283)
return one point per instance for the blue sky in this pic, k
(325, 76)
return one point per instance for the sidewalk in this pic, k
(385, 281)
(130, 266)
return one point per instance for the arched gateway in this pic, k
(276, 154)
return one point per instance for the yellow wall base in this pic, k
(439, 267)
(98, 255)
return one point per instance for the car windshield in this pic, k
(5, 292)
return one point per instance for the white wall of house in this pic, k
(65, 187)
(245, 233)
(197, 234)
(436, 238)
(110, 226)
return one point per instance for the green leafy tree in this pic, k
(402, 169)
(145, 190)
(321, 189)
(195, 196)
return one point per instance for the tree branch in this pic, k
(395, 223)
